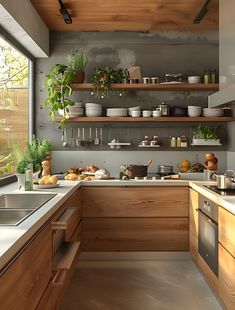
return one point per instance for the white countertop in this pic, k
(13, 238)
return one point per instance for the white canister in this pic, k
(147, 113)
(157, 113)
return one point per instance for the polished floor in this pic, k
(164, 284)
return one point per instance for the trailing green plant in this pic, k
(205, 132)
(35, 152)
(104, 78)
(5, 164)
(77, 60)
(58, 82)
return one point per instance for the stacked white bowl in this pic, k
(74, 111)
(93, 109)
(117, 112)
(130, 110)
(194, 111)
(213, 112)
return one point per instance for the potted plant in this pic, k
(77, 62)
(34, 153)
(103, 80)
(58, 82)
(205, 135)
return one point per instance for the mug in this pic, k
(146, 80)
(157, 113)
(147, 113)
(154, 80)
(135, 113)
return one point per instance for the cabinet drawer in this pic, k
(227, 278)
(158, 234)
(226, 230)
(24, 282)
(135, 202)
(75, 200)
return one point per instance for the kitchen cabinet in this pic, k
(227, 258)
(193, 223)
(25, 280)
(135, 219)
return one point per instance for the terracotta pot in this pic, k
(80, 77)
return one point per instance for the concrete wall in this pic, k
(20, 19)
(157, 53)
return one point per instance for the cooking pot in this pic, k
(133, 171)
(225, 181)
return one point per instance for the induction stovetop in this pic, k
(222, 192)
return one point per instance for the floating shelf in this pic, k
(106, 119)
(153, 87)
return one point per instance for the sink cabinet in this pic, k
(135, 219)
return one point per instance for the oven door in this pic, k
(208, 241)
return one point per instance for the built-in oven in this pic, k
(208, 232)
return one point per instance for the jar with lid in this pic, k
(178, 142)
(213, 76)
(184, 142)
(173, 142)
(206, 76)
(154, 141)
(145, 141)
(164, 108)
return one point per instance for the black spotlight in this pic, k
(65, 14)
(201, 13)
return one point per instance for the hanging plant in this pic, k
(103, 80)
(58, 83)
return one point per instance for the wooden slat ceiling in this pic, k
(128, 15)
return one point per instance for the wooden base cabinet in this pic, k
(135, 219)
(193, 224)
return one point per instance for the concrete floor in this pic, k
(172, 284)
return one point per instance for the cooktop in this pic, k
(222, 192)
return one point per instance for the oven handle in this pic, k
(206, 216)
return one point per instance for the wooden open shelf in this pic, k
(106, 119)
(153, 87)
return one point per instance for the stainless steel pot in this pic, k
(225, 181)
(164, 169)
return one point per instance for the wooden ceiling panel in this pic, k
(131, 15)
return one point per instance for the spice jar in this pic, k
(173, 142)
(184, 142)
(206, 76)
(154, 142)
(213, 77)
(164, 108)
(178, 142)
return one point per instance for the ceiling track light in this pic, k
(201, 13)
(65, 14)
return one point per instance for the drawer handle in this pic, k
(59, 278)
(63, 221)
(65, 255)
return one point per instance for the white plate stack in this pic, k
(213, 112)
(93, 109)
(117, 112)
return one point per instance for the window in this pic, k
(14, 104)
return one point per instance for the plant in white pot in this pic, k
(77, 62)
(205, 135)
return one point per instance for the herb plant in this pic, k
(205, 132)
(77, 60)
(58, 83)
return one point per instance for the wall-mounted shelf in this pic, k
(105, 119)
(153, 87)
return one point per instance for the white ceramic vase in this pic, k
(21, 180)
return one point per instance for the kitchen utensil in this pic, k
(165, 169)
(78, 140)
(154, 80)
(173, 77)
(225, 181)
(65, 143)
(164, 108)
(96, 141)
(101, 136)
(90, 136)
(72, 141)
(133, 171)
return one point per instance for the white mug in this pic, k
(157, 113)
(135, 113)
(147, 113)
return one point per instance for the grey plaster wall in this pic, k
(157, 53)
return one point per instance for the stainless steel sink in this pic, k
(24, 200)
(13, 216)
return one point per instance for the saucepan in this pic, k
(225, 181)
(133, 171)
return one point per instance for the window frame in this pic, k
(31, 104)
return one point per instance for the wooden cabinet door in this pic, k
(135, 234)
(46, 300)
(23, 283)
(134, 202)
(227, 230)
(193, 223)
(227, 278)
